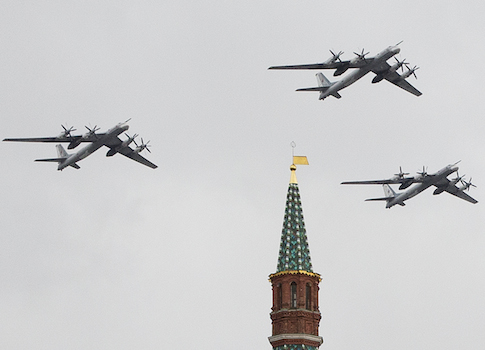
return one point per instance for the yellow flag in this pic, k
(300, 160)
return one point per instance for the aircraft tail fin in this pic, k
(62, 156)
(323, 85)
(61, 152)
(323, 81)
(389, 193)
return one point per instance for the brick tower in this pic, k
(295, 315)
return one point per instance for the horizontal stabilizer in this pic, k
(58, 160)
(379, 199)
(319, 88)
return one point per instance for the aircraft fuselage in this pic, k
(358, 73)
(94, 146)
(428, 181)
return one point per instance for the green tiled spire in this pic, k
(294, 253)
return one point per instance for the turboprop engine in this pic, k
(341, 70)
(141, 147)
(86, 136)
(124, 144)
(406, 184)
(452, 183)
(440, 190)
(335, 57)
(409, 72)
(466, 185)
(392, 69)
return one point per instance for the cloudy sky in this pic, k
(119, 256)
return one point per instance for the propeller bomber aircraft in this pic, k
(423, 180)
(363, 65)
(109, 139)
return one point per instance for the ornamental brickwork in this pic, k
(295, 313)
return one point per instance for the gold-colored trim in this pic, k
(293, 179)
(295, 272)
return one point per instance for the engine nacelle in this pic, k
(406, 75)
(115, 150)
(406, 184)
(74, 144)
(377, 78)
(341, 70)
(112, 152)
(439, 190)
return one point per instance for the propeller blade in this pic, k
(146, 145)
(401, 64)
(141, 146)
(67, 132)
(424, 172)
(468, 184)
(413, 70)
(132, 138)
(401, 174)
(362, 54)
(93, 130)
(336, 56)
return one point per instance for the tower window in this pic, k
(280, 297)
(278, 301)
(293, 295)
(308, 303)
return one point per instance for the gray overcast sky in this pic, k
(116, 255)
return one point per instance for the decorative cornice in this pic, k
(282, 313)
(298, 336)
(295, 272)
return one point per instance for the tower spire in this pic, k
(294, 253)
(295, 314)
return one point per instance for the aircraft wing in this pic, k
(130, 153)
(455, 191)
(78, 138)
(332, 65)
(463, 195)
(381, 182)
(395, 78)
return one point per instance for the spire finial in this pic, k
(293, 179)
(300, 160)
